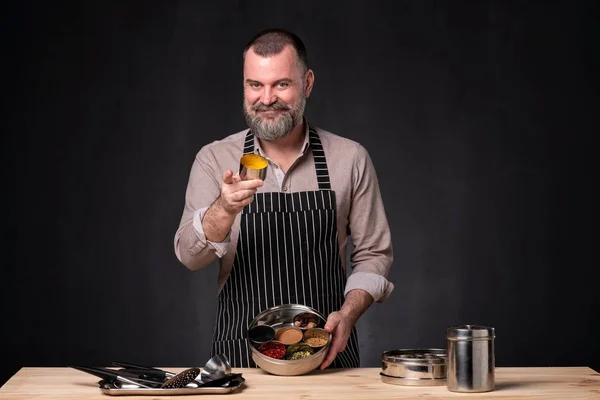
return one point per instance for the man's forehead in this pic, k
(285, 62)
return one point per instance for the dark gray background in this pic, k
(479, 117)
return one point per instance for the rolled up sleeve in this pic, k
(220, 248)
(376, 285)
(372, 253)
(191, 246)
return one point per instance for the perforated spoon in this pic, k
(182, 379)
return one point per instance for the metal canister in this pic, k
(414, 367)
(471, 361)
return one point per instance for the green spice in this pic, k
(300, 355)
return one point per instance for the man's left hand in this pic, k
(340, 326)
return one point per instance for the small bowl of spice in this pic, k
(316, 337)
(261, 334)
(299, 351)
(306, 320)
(288, 335)
(273, 349)
(253, 166)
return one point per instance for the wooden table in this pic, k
(347, 384)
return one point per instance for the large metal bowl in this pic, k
(278, 317)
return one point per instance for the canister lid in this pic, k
(415, 356)
(470, 332)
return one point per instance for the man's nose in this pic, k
(268, 97)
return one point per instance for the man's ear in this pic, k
(310, 81)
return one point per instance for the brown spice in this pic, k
(289, 335)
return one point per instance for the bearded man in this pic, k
(283, 240)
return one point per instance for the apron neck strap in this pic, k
(318, 155)
(249, 143)
(320, 161)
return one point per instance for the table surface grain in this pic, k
(343, 384)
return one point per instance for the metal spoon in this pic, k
(217, 367)
(182, 379)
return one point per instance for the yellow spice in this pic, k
(254, 161)
(316, 341)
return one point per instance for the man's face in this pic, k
(275, 93)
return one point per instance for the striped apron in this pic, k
(287, 253)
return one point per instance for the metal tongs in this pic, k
(113, 376)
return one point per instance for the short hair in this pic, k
(271, 42)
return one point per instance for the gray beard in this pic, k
(271, 130)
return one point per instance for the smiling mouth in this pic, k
(268, 113)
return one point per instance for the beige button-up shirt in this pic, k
(360, 211)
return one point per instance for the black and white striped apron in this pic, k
(287, 253)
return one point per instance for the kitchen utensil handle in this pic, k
(111, 375)
(133, 366)
(149, 371)
(132, 382)
(145, 372)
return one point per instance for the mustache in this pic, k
(277, 106)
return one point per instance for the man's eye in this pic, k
(283, 84)
(255, 85)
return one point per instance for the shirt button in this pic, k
(285, 188)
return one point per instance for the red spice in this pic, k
(272, 349)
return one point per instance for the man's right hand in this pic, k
(237, 193)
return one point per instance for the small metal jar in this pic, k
(471, 362)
